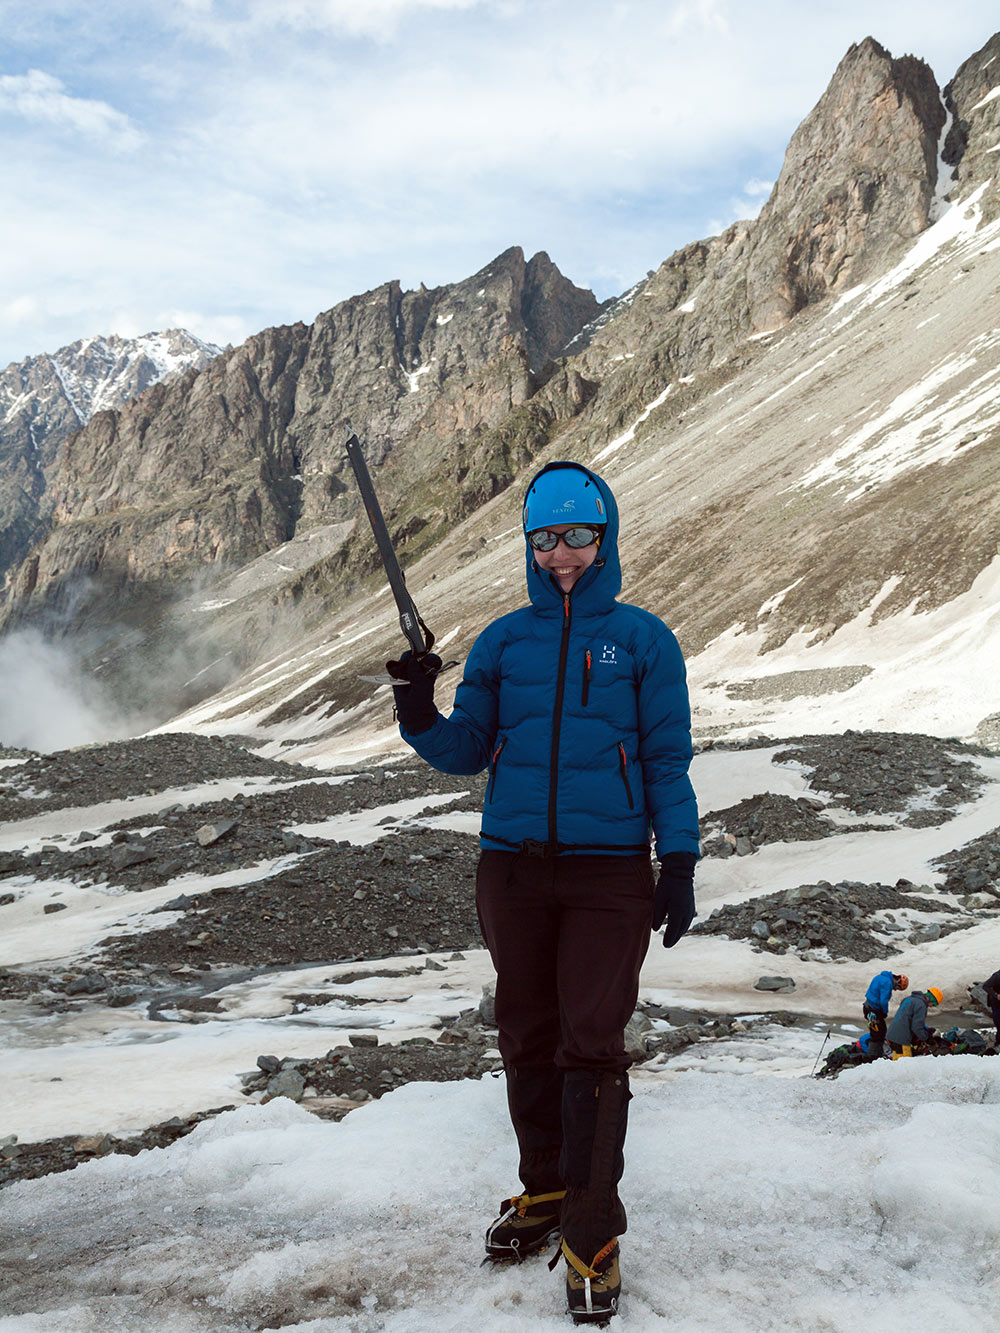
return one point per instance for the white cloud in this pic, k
(292, 161)
(48, 702)
(708, 14)
(40, 97)
(20, 310)
(379, 19)
(744, 207)
(217, 329)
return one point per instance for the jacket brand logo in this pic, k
(608, 654)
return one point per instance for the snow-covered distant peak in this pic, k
(105, 372)
(97, 373)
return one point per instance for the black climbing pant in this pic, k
(567, 936)
(876, 1031)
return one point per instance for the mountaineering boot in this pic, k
(526, 1224)
(528, 1220)
(592, 1290)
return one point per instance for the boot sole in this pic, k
(596, 1319)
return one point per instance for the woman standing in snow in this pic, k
(577, 705)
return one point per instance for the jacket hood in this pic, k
(598, 586)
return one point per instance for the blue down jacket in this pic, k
(578, 707)
(879, 993)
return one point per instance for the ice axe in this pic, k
(419, 637)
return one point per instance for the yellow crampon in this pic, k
(587, 1272)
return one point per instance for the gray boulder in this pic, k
(211, 833)
(287, 1083)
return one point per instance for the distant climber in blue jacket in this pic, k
(577, 706)
(876, 1007)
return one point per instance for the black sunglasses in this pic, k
(544, 539)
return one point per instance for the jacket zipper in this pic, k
(586, 678)
(557, 723)
(493, 767)
(623, 768)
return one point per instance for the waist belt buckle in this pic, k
(532, 847)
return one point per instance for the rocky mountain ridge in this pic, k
(223, 466)
(45, 399)
(712, 372)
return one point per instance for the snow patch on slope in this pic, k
(955, 235)
(924, 424)
(627, 436)
(913, 685)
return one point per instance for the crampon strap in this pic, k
(523, 1202)
(588, 1273)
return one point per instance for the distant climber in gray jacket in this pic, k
(909, 1023)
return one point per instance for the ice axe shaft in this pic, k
(419, 637)
(822, 1048)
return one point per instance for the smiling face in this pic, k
(563, 562)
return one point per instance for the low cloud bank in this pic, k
(48, 702)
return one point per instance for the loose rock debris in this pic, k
(838, 918)
(412, 893)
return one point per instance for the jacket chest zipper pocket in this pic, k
(587, 663)
(493, 768)
(623, 770)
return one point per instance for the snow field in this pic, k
(755, 1204)
(28, 835)
(96, 911)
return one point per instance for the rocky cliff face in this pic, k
(45, 399)
(218, 467)
(858, 179)
(971, 146)
(856, 187)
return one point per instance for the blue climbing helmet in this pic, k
(563, 494)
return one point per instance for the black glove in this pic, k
(674, 899)
(415, 702)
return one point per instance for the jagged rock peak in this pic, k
(217, 468)
(857, 180)
(973, 100)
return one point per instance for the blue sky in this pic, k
(227, 166)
